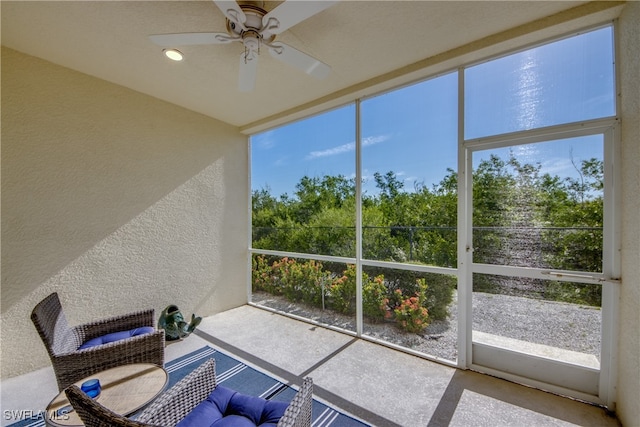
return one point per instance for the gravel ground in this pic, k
(568, 326)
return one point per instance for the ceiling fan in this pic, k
(255, 28)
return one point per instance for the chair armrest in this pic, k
(298, 413)
(119, 323)
(74, 366)
(172, 406)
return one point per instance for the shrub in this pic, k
(313, 281)
(343, 291)
(374, 297)
(411, 315)
(374, 294)
(262, 276)
(395, 300)
(438, 295)
(300, 281)
(574, 293)
(406, 298)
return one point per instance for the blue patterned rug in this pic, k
(236, 375)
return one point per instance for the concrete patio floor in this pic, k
(376, 384)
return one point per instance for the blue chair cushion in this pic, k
(116, 336)
(228, 408)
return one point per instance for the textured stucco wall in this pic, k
(628, 408)
(114, 199)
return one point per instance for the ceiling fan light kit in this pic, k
(254, 27)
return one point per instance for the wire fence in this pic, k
(573, 248)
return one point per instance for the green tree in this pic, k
(317, 194)
(420, 225)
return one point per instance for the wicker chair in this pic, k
(171, 407)
(71, 364)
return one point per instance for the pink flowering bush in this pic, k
(410, 312)
(343, 291)
(411, 315)
(374, 297)
(343, 294)
(262, 276)
(308, 282)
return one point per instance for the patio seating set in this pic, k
(129, 350)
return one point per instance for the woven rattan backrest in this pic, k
(193, 389)
(93, 414)
(52, 326)
(298, 414)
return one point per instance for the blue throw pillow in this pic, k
(116, 336)
(228, 408)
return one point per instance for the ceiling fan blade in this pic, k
(292, 12)
(300, 60)
(186, 39)
(248, 71)
(232, 11)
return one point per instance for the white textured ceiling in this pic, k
(360, 40)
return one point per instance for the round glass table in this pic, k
(125, 389)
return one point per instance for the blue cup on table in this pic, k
(91, 388)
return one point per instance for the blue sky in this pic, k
(413, 131)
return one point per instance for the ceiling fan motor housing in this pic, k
(253, 36)
(251, 40)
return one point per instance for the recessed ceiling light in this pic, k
(173, 54)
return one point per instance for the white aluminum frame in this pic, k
(602, 381)
(609, 278)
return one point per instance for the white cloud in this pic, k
(332, 151)
(264, 140)
(345, 148)
(558, 166)
(283, 161)
(372, 140)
